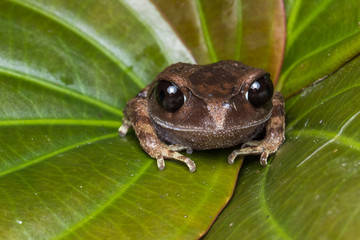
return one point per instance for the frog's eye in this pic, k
(169, 96)
(260, 91)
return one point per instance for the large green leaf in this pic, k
(311, 189)
(321, 36)
(67, 69)
(250, 31)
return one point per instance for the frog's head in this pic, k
(221, 96)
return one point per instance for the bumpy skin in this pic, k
(216, 114)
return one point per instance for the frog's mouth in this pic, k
(168, 125)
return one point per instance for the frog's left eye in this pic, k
(168, 95)
(260, 91)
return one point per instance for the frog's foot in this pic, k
(252, 148)
(123, 129)
(275, 135)
(136, 111)
(179, 148)
(168, 153)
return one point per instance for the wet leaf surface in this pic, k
(311, 188)
(67, 69)
(249, 31)
(321, 37)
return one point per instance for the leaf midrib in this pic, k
(206, 34)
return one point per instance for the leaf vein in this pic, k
(303, 24)
(87, 37)
(266, 209)
(51, 154)
(107, 203)
(285, 74)
(62, 90)
(68, 122)
(206, 33)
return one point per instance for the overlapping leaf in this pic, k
(310, 190)
(321, 37)
(249, 31)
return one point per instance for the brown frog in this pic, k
(201, 107)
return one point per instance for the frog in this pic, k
(200, 107)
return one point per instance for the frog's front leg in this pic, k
(137, 116)
(275, 135)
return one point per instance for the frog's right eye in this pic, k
(168, 95)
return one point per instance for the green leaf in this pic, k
(321, 36)
(311, 188)
(249, 31)
(67, 69)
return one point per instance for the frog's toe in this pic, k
(160, 162)
(170, 154)
(232, 156)
(179, 157)
(123, 129)
(263, 158)
(254, 150)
